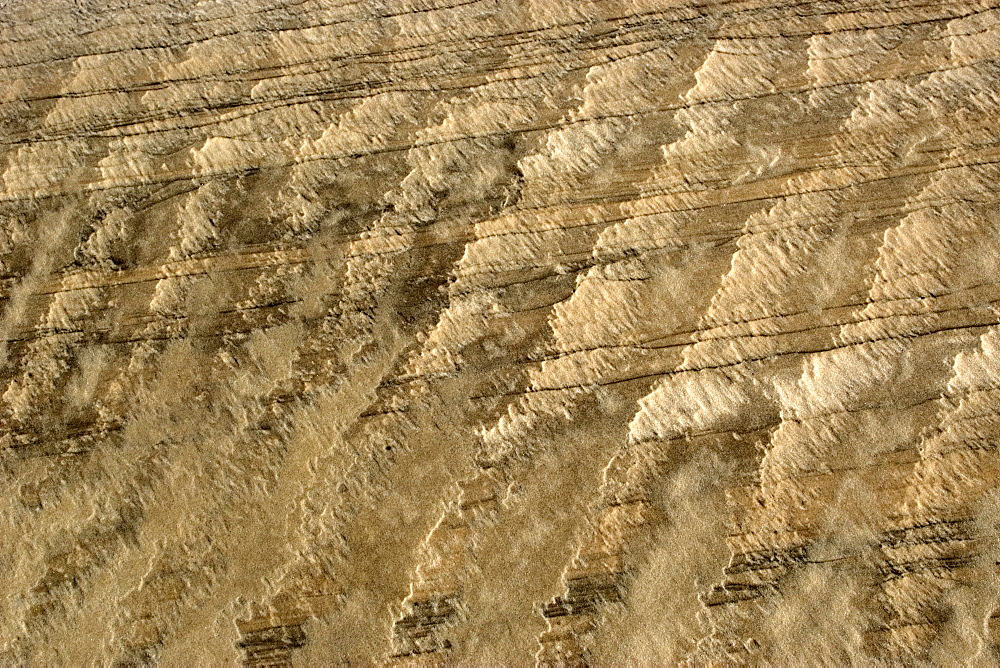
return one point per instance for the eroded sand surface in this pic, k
(495, 332)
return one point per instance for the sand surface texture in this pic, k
(499, 332)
